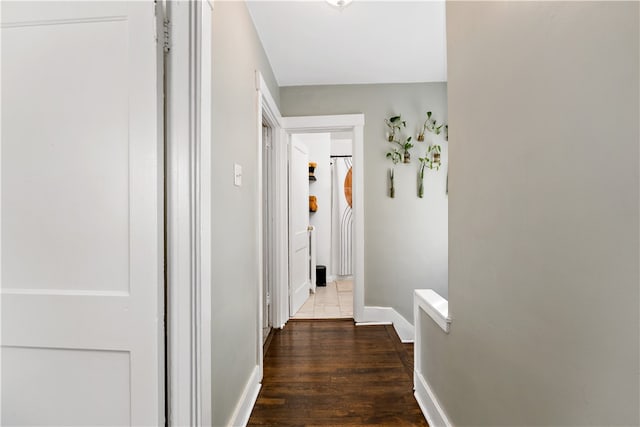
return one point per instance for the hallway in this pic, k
(330, 372)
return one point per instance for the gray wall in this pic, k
(237, 53)
(543, 214)
(405, 237)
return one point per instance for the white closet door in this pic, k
(298, 225)
(82, 217)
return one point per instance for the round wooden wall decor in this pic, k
(347, 187)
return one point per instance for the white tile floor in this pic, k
(334, 301)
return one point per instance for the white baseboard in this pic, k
(433, 412)
(241, 414)
(386, 315)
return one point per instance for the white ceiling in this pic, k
(313, 43)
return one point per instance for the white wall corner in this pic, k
(428, 402)
(404, 329)
(241, 414)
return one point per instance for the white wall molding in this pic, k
(309, 123)
(429, 302)
(434, 305)
(386, 315)
(428, 403)
(249, 396)
(188, 210)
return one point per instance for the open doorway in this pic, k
(274, 245)
(327, 291)
(334, 265)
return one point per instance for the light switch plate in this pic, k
(237, 175)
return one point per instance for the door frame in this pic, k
(341, 123)
(187, 42)
(267, 111)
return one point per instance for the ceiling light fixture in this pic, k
(340, 4)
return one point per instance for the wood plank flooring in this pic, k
(332, 373)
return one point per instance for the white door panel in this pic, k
(82, 218)
(298, 225)
(41, 372)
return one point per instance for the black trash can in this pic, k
(321, 275)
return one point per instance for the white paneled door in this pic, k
(298, 225)
(82, 218)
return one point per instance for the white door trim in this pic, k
(267, 110)
(339, 123)
(188, 210)
(206, 206)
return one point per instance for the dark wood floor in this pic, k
(322, 373)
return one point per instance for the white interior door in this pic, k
(82, 218)
(298, 225)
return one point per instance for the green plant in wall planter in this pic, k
(406, 146)
(395, 125)
(421, 178)
(433, 153)
(395, 157)
(430, 125)
(432, 161)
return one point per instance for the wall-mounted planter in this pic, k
(395, 157)
(406, 158)
(431, 160)
(395, 124)
(392, 190)
(402, 154)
